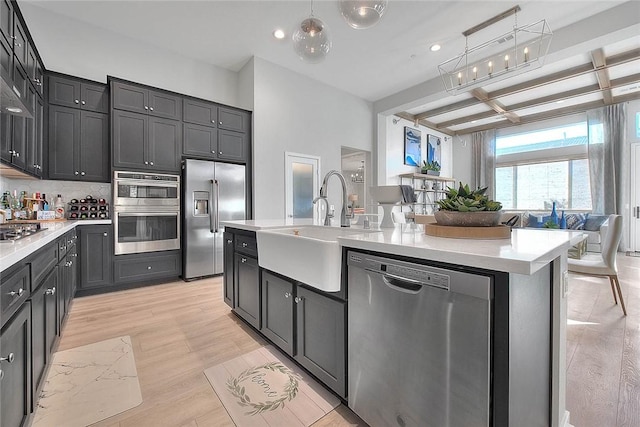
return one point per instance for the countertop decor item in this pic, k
(463, 207)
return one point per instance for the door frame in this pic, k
(289, 159)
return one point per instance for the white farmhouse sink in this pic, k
(308, 254)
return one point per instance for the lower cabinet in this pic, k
(228, 294)
(67, 278)
(147, 267)
(96, 256)
(247, 288)
(308, 326)
(15, 363)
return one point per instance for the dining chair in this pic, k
(604, 264)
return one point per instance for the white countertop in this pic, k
(263, 224)
(526, 252)
(12, 252)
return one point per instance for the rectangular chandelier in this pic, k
(520, 50)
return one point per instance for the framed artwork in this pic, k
(412, 145)
(433, 149)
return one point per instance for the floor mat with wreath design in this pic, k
(264, 388)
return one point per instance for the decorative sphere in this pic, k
(311, 40)
(361, 14)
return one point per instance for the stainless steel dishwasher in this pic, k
(419, 344)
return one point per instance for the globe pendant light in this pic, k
(311, 39)
(361, 14)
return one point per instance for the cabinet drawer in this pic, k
(14, 290)
(42, 263)
(247, 244)
(144, 267)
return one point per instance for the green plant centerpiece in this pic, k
(468, 208)
(430, 168)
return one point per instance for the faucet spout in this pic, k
(344, 221)
(326, 205)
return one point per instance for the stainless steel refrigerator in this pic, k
(213, 192)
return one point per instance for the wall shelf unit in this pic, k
(428, 189)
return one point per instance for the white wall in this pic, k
(298, 114)
(80, 49)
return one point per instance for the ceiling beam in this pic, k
(599, 64)
(412, 118)
(448, 108)
(483, 96)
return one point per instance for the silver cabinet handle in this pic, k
(84, 103)
(148, 267)
(229, 241)
(51, 291)
(16, 154)
(104, 234)
(10, 358)
(287, 294)
(213, 121)
(146, 163)
(150, 108)
(244, 244)
(76, 101)
(35, 166)
(67, 264)
(146, 107)
(76, 173)
(213, 151)
(1, 374)
(220, 152)
(37, 82)
(16, 294)
(297, 299)
(74, 255)
(151, 163)
(220, 123)
(243, 260)
(82, 173)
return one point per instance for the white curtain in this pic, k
(608, 154)
(483, 146)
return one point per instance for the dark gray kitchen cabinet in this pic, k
(320, 337)
(147, 267)
(77, 94)
(14, 291)
(20, 41)
(35, 138)
(15, 363)
(200, 112)
(277, 310)
(6, 57)
(17, 155)
(139, 99)
(233, 146)
(95, 250)
(142, 142)
(228, 286)
(78, 145)
(247, 291)
(234, 120)
(6, 20)
(200, 141)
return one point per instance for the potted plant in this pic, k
(463, 207)
(431, 168)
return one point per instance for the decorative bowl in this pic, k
(468, 219)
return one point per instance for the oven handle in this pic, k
(211, 198)
(171, 184)
(147, 213)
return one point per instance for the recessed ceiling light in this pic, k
(434, 48)
(279, 34)
(14, 109)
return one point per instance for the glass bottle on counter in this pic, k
(59, 207)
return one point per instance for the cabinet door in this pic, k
(165, 105)
(52, 292)
(19, 141)
(32, 146)
(228, 290)
(247, 280)
(65, 92)
(15, 393)
(64, 140)
(277, 311)
(94, 147)
(6, 20)
(38, 337)
(6, 57)
(200, 113)
(5, 137)
(39, 138)
(130, 134)
(234, 120)
(96, 256)
(201, 141)
(146, 267)
(165, 144)
(63, 279)
(38, 81)
(320, 346)
(20, 46)
(30, 66)
(94, 98)
(129, 98)
(233, 146)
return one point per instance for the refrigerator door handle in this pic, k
(212, 222)
(217, 223)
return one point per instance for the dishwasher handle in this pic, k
(402, 284)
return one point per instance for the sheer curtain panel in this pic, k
(483, 146)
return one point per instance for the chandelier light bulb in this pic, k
(526, 54)
(311, 40)
(361, 14)
(506, 62)
(475, 73)
(490, 65)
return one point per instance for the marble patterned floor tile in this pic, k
(88, 384)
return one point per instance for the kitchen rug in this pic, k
(88, 384)
(264, 388)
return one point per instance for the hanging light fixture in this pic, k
(358, 176)
(520, 50)
(311, 40)
(361, 14)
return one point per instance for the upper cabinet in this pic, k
(139, 99)
(74, 93)
(6, 20)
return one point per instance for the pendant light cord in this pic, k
(311, 7)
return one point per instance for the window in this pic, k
(535, 169)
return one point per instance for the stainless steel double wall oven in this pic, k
(146, 212)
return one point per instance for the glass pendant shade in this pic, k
(361, 14)
(311, 40)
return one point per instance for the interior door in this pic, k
(302, 185)
(634, 226)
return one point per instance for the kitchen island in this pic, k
(527, 309)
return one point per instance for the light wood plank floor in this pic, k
(179, 329)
